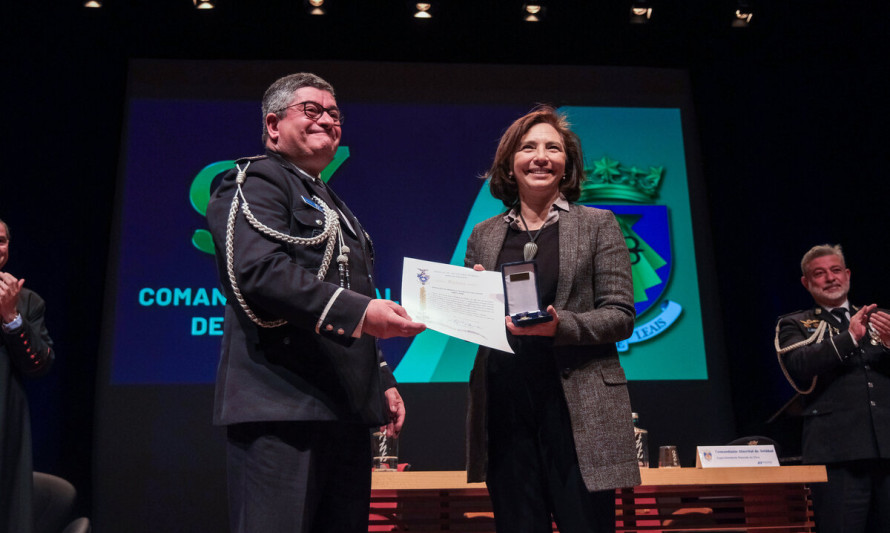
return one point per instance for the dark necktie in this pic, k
(841, 314)
(327, 196)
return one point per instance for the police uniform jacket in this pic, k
(594, 300)
(847, 412)
(310, 368)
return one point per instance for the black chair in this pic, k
(81, 525)
(53, 505)
(757, 440)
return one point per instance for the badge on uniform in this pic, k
(310, 203)
(810, 324)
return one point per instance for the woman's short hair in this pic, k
(503, 184)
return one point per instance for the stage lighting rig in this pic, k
(640, 11)
(316, 7)
(533, 11)
(743, 14)
(423, 10)
(204, 4)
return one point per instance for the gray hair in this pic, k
(279, 94)
(5, 225)
(821, 251)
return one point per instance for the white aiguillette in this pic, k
(735, 456)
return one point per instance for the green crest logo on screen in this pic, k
(651, 204)
(646, 232)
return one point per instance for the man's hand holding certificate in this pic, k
(457, 301)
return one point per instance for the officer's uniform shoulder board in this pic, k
(251, 159)
(792, 314)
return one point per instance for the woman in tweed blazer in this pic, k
(549, 428)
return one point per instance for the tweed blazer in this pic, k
(594, 301)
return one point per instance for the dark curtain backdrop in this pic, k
(792, 117)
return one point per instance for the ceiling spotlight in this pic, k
(640, 11)
(743, 15)
(204, 4)
(423, 10)
(315, 7)
(533, 12)
(93, 4)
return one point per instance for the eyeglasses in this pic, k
(314, 111)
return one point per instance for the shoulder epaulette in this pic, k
(251, 158)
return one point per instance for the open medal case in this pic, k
(521, 294)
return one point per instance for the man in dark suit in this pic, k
(25, 351)
(300, 378)
(840, 364)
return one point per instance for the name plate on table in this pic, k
(735, 456)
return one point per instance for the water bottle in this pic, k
(641, 440)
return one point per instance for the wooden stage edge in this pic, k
(457, 479)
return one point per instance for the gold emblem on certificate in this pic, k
(423, 276)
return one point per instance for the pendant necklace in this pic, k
(530, 248)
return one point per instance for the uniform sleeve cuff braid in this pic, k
(327, 308)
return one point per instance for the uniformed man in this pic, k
(300, 378)
(836, 356)
(26, 350)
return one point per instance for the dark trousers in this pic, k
(298, 477)
(856, 498)
(533, 475)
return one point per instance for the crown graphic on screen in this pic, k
(609, 180)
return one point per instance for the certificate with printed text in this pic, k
(457, 301)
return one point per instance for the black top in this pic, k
(547, 258)
(547, 262)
